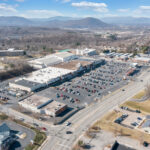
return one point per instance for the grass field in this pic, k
(139, 95)
(107, 123)
(142, 106)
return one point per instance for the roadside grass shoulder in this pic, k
(139, 95)
(144, 106)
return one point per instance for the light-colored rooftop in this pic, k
(63, 54)
(11, 50)
(47, 74)
(73, 65)
(47, 60)
(142, 58)
(35, 101)
(54, 106)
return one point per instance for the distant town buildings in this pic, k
(142, 59)
(12, 52)
(86, 52)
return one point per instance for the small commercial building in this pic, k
(12, 52)
(141, 59)
(86, 52)
(34, 103)
(43, 105)
(54, 108)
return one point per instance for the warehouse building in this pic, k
(44, 62)
(53, 59)
(12, 52)
(86, 52)
(65, 56)
(43, 105)
(41, 78)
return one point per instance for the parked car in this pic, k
(68, 123)
(68, 132)
(138, 111)
(145, 144)
(139, 118)
(35, 124)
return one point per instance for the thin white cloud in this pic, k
(142, 11)
(63, 1)
(41, 13)
(99, 7)
(123, 10)
(145, 8)
(7, 8)
(66, 1)
(20, 0)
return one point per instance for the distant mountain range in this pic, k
(127, 20)
(69, 22)
(56, 22)
(15, 21)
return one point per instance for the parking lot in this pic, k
(83, 90)
(130, 118)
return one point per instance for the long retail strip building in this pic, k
(55, 68)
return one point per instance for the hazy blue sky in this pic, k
(74, 8)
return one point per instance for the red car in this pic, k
(43, 128)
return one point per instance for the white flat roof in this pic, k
(11, 50)
(63, 54)
(47, 74)
(142, 58)
(35, 101)
(47, 60)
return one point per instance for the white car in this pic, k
(68, 123)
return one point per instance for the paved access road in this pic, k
(81, 121)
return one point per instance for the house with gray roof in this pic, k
(6, 137)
